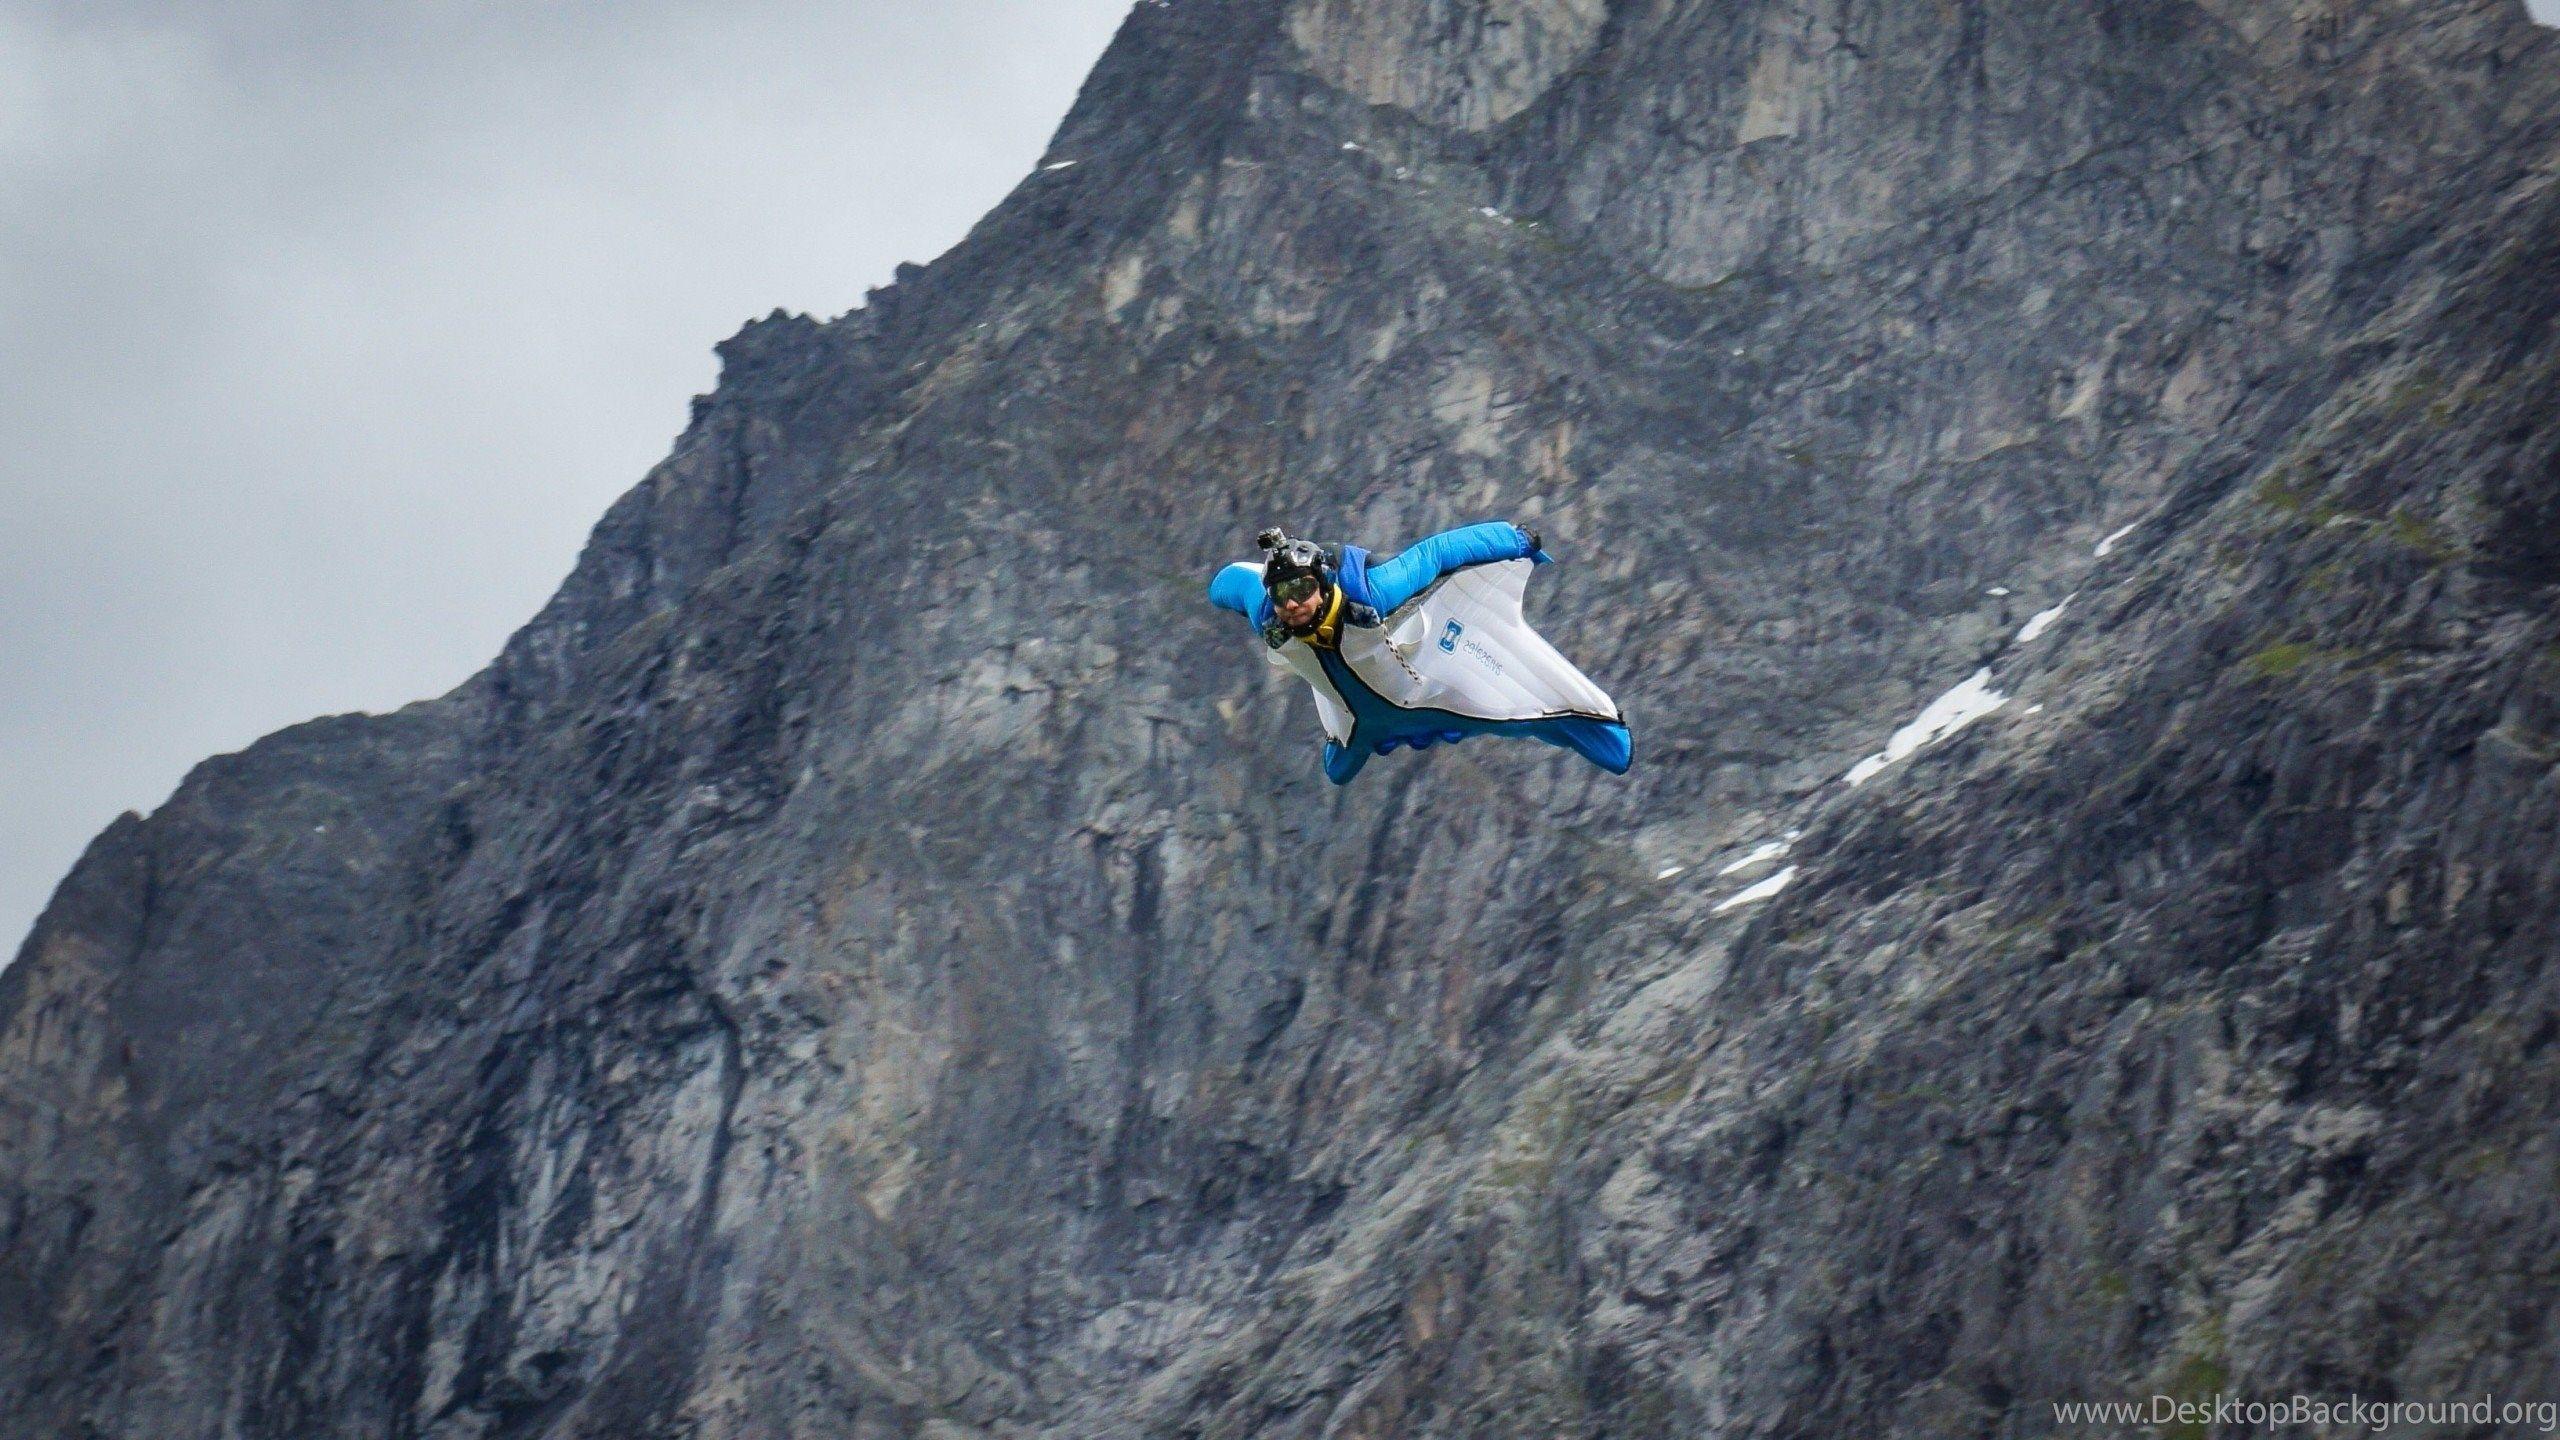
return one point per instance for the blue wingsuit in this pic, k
(1372, 590)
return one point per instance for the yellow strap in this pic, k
(1328, 627)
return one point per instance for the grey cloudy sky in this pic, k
(327, 330)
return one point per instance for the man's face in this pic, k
(1300, 612)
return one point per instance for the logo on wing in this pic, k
(1449, 637)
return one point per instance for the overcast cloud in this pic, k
(327, 330)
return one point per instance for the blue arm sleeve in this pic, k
(1396, 581)
(1238, 587)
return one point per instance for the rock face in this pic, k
(849, 969)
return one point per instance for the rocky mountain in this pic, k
(875, 956)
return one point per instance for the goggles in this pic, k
(1296, 588)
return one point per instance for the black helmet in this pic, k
(1287, 564)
